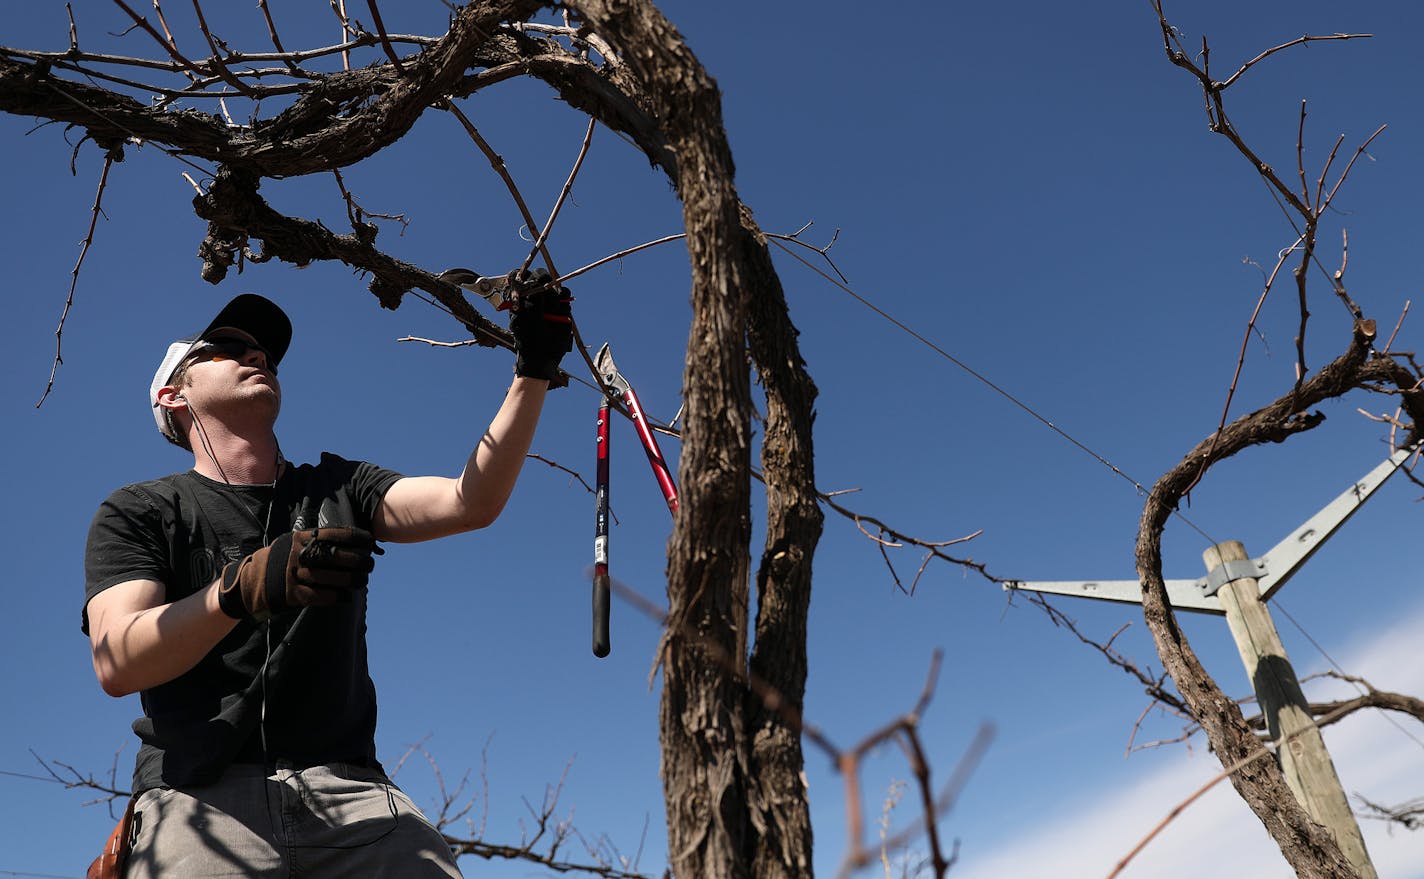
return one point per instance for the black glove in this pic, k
(543, 329)
(302, 569)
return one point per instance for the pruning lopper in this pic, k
(500, 291)
(617, 387)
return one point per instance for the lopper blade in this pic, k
(608, 371)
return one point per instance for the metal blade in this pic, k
(466, 279)
(1286, 557)
(608, 371)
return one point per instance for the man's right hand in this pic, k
(312, 568)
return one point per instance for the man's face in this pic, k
(229, 368)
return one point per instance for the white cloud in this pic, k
(1218, 837)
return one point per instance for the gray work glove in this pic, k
(542, 325)
(314, 568)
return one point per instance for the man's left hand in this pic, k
(542, 324)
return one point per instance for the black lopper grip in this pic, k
(600, 614)
(600, 540)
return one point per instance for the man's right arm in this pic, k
(138, 642)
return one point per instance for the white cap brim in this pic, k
(176, 352)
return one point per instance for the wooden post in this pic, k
(1304, 760)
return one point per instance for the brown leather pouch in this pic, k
(111, 864)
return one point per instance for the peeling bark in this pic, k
(778, 797)
(704, 745)
(731, 764)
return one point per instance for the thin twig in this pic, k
(73, 29)
(666, 239)
(1153, 686)
(347, 31)
(170, 48)
(1325, 172)
(272, 32)
(94, 213)
(502, 170)
(385, 40)
(1273, 50)
(1399, 323)
(438, 344)
(497, 162)
(217, 62)
(1264, 751)
(620, 254)
(574, 473)
(1351, 164)
(559, 202)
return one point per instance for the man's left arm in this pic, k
(426, 507)
(419, 508)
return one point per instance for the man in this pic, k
(232, 598)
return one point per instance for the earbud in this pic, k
(180, 397)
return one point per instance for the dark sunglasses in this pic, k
(230, 347)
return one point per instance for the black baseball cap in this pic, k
(255, 315)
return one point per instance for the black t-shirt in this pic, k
(320, 704)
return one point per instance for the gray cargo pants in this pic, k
(331, 820)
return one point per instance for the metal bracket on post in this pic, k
(1189, 595)
(1227, 572)
(1307, 765)
(1271, 570)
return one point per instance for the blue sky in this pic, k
(1030, 185)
